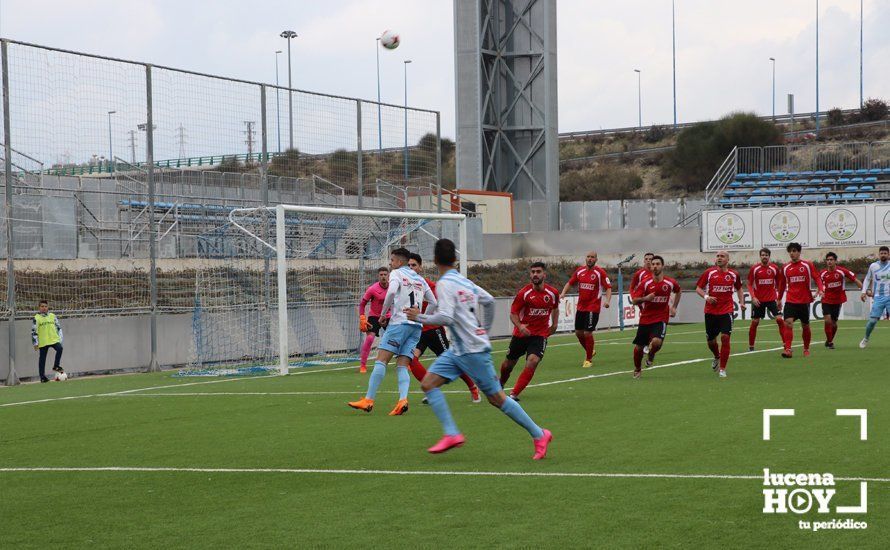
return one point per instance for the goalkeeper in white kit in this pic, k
(470, 351)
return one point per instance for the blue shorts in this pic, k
(879, 306)
(400, 339)
(477, 365)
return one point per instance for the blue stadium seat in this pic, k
(825, 189)
(729, 193)
(862, 171)
(763, 183)
(848, 172)
(754, 175)
(851, 188)
(875, 171)
(887, 169)
(820, 173)
(829, 181)
(741, 176)
(834, 172)
(743, 192)
(782, 174)
(856, 180)
(805, 173)
(843, 180)
(811, 190)
(848, 196)
(863, 195)
(735, 184)
(834, 197)
(871, 179)
(796, 190)
(867, 188)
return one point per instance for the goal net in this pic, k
(279, 287)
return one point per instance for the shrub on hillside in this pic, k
(655, 134)
(836, 117)
(873, 110)
(702, 148)
(603, 182)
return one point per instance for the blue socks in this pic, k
(404, 382)
(514, 410)
(436, 399)
(375, 379)
(870, 326)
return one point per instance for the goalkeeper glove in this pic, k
(363, 323)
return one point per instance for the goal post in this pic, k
(319, 260)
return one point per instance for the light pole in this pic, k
(817, 66)
(405, 64)
(277, 101)
(674, 50)
(773, 60)
(639, 99)
(379, 108)
(110, 148)
(290, 96)
(861, 22)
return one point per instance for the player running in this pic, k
(406, 289)
(534, 316)
(833, 277)
(654, 301)
(459, 300)
(641, 274)
(797, 279)
(716, 285)
(877, 286)
(370, 325)
(763, 286)
(591, 280)
(433, 337)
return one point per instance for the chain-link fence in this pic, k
(113, 168)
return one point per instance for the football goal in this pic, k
(279, 286)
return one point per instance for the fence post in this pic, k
(11, 378)
(439, 164)
(359, 152)
(153, 366)
(264, 192)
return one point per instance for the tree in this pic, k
(873, 110)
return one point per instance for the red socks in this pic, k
(586, 343)
(752, 335)
(417, 369)
(787, 336)
(523, 381)
(781, 325)
(638, 358)
(807, 336)
(468, 381)
(724, 351)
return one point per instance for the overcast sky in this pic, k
(723, 48)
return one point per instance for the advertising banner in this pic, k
(729, 230)
(780, 226)
(882, 224)
(840, 225)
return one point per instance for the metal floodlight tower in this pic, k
(505, 80)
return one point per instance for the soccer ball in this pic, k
(390, 40)
(61, 377)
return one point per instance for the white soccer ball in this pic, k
(61, 377)
(390, 39)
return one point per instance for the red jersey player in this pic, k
(763, 286)
(797, 277)
(591, 280)
(433, 337)
(641, 274)
(717, 285)
(832, 278)
(654, 301)
(533, 314)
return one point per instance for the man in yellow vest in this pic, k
(46, 333)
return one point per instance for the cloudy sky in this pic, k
(723, 48)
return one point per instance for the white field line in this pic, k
(407, 473)
(551, 383)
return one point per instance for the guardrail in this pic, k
(782, 119)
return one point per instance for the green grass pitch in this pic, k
(679, 420)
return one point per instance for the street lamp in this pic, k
(817, 66)
(405, 64)
(379, 108)
(639, 99)
(290, 96)
(674, 51)
(773, 60)
(861, 23)
(110, 148)
(277, 101)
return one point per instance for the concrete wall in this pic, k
(121, 343)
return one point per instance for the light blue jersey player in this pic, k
(877, 286)
(459, 301)
(406, 290)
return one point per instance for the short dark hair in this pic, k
(41, 302)
(541, 265)
(649, 254)
(445, 253)
(767, 250)
(402, 252)
(657, 257)
(382, 269)
(831, 255)
(884, 249)
(793, 246)
(416, 257)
